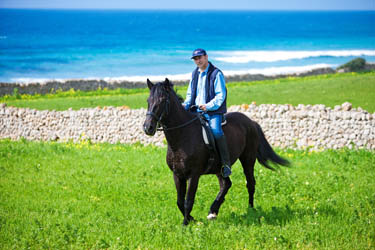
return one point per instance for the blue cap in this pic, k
(198, 52)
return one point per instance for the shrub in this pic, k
(16, 93)
(356, 64)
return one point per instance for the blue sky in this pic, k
(195, 4)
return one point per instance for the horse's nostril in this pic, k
(148, 129)
(151, 130)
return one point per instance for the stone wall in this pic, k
(317, 127)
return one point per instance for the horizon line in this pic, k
(176, 9)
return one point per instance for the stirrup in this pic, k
(226, 171)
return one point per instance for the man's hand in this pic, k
(202, 107)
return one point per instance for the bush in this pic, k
(16, 93)
(357, 64)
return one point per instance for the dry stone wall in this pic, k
(286, 126)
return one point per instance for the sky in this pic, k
(194, 4)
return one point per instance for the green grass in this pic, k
(134, 101)
(95, 196)
(331, 90)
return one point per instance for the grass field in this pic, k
(331, 90)
(102, 196)
(99, 196)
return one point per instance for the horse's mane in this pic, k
(179, 97)
(167, 85)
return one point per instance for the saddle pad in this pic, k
(208, 137)
(204, 134)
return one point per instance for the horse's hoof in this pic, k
(191, 218)
(212, 216)
(188, 220)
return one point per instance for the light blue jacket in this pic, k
(220, 92)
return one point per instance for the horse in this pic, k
(187, 153)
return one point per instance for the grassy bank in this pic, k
(331, 90)
(84, 196)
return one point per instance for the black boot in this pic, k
(224, 155)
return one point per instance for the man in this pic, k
(207, 91)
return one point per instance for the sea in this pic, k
(46, 44)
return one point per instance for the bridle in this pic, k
(165, 112)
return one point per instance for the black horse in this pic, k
(187, 154)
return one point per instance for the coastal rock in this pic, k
(94, 84)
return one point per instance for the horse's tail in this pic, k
(265, 152)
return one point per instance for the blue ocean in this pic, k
(39, 45)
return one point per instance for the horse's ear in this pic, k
(149, 84)
(168, 83)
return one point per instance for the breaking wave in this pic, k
(282, 55)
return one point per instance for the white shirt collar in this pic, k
(205, 71)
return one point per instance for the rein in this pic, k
(165, 128)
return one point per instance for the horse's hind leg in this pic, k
(225, 184)
(248, 163)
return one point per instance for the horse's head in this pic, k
(158, 105)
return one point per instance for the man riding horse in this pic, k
(187, 153)
(207, 91)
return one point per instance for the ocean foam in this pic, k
(271, 71)
(177, 77)
(281, 55)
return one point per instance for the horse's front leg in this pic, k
(189, 202)
(181, 192)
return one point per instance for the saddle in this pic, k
(209, 139)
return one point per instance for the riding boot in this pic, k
(224, 155)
